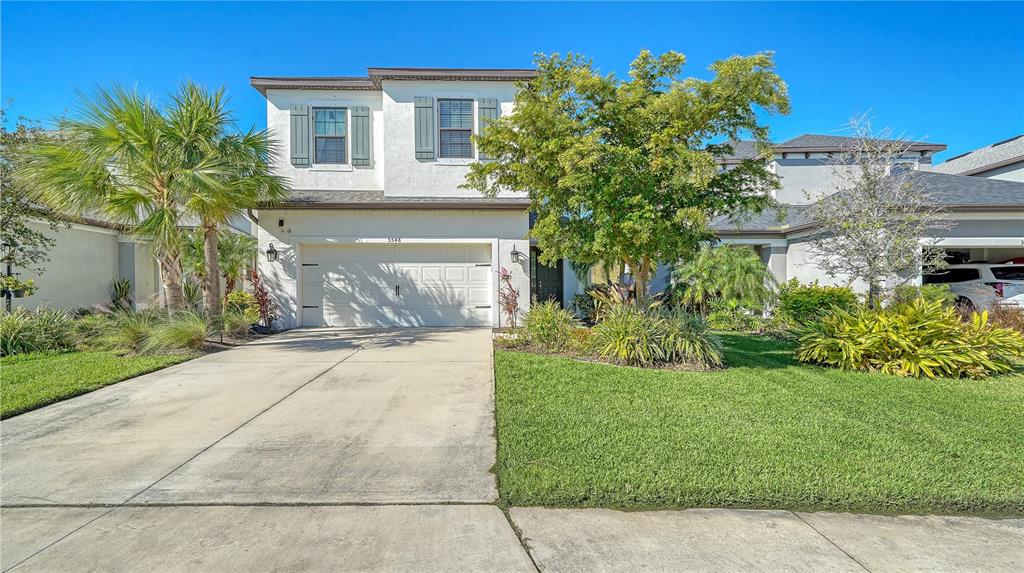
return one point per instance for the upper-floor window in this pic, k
(455, 128)
(329, 135)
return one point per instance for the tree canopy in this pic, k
(626, 170)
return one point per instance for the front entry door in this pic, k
(545, 281)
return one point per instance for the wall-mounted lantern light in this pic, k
(271, 253)
(516, 255)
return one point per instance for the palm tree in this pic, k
(115, 158)
(728, 272)
(230, 172)
(237, 252)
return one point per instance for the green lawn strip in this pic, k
(31, 381)
(765, 433)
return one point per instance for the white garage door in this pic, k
(396, 285)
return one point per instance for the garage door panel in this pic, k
(438, 285)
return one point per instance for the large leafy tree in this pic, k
(229, 173)
(20, 204)
(625, 170)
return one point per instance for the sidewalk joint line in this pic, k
(834, 544)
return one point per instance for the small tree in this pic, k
(626, 170)
(879, 224)
(20, 204)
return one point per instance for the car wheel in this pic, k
(965, 305)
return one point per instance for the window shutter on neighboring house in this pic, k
(360, 136)
(424, 117)
(489, 111)
(300, 135)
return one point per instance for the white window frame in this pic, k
(330, 104)
(472, 128)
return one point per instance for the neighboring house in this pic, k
(1002, 160)
(89, 255)
(86, 258)
(987, 214)
(379, 232)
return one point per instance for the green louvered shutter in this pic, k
(424, 127)
(360, 136)
(489, 111)
(300, 135)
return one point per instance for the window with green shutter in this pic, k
(330, 135)
(455, 128)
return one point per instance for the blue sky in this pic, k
(946, 72)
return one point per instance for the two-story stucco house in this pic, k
(378, 232)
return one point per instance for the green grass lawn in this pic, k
(765, 433)
(31, 381)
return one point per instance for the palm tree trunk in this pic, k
(170, 274)
(211, 282)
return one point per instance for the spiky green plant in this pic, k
(920, 339)
(182, 330)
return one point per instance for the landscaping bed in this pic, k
(34, 380)
(766, 432)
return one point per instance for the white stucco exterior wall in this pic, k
(503, 230)
(326, 177)
(82, 264)
(408, 176)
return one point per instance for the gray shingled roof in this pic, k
(741, 149)
(963, 191)
(770, 220)
(378, 200)
(996, 155)
(951, 191)
(818, 142)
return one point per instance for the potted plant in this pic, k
(17, 288)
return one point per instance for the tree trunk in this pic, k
(874, 295)
(170, 274)
(641, 280)
(211, 282)
(229, 284)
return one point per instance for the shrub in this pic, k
(549, 325)
(918, 339)
(583, 305)
(684, 338)
(183, 330)
(627, 335)
(806, 303)
(1007, 316)
(245, 305)
(732, 314)
(128, 331)
(906, 294)
(637, 337)
(581, 340)
(90, 330)
(238, 323)
(268, 312)
(23, 331)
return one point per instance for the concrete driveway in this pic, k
(315, 449)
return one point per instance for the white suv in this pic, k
(978, 286)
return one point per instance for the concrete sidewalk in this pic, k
(746, 540)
